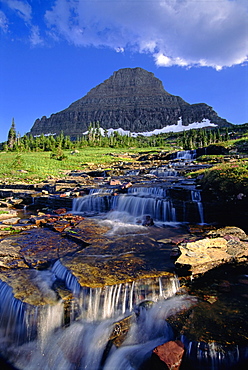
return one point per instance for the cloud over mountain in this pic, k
(175, 32)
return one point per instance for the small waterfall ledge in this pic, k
(55, 336)
(138, 202)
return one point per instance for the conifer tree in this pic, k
(12, 135)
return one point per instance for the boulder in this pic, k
(199, 256)
(168, 356)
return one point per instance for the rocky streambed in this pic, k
(103, 271)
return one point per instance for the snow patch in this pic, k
(170, 128)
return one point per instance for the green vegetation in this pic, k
(199, 138)
(38, 166)
(228, 180)
(33, 159)
(191, 139)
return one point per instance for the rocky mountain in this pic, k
(132, 99)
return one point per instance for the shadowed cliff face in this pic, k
(131, 99)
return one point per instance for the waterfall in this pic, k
(186, 155)
(139, 201)
(13, 314)
(205, 356)
(96, 202)
(108, 301)
(164, 172)
(82, 344)
(157, 202)
(67, 277)
(134, 312)
(196, 197)
(111, 301)
(100, 191)
(149, 191)
(158, 209)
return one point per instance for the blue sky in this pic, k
(54, 51)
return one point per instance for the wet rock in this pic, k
(37, 249)
(114, 182)
(31, 286)
(10, 256)
(60, 211)
(120, 330)
(168, 356)
(148, 221)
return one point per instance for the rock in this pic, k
(127, 185)
(11, 221)
(148, 221)
(37, 249)
(169, 354)
(223, 245)
(7, 213)
(232, 231)
(30, 286)
(60, 211)
(132, 99)
(114, 182)
(202, 255)
(10, 256)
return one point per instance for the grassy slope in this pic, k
(38, 166)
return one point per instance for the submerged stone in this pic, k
(30, 286)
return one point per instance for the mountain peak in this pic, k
(132, 99)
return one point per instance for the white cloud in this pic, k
(175, 32)
(24, 11)
(22, 8)
(3, 22)
(35, 38)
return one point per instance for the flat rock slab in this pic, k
(199, 256)
(7, 213)
(34, 248)
(11, 221)
(31, 286)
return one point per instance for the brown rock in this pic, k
(170, 353)
(228, 232)
(205, 254)
(60, 211)
(11, 221)
(114, 182)
(7, 213)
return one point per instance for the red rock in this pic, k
(170, 353)
(114, 182)
(60, 211)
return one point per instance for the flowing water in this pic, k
(86, 331)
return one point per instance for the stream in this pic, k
(116, 326)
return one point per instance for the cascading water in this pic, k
(46, 343)
(133, 206)
(108, 301)
(205, 356)
(137, 203)
(186, 155)
(196, 197)
(164, 172)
